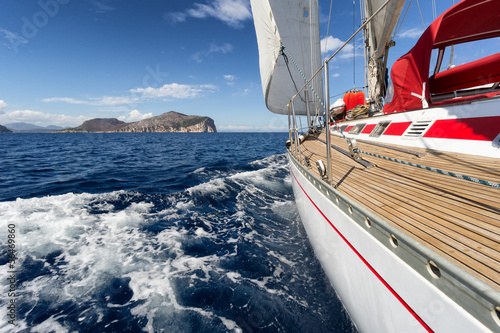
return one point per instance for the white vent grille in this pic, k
(417, 128)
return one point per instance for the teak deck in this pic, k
(458, 219)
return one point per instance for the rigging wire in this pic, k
(421, 17)
(327, 30)
(362, 14)
(396, 31)
(285, 58)
(354, 44)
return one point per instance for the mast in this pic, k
(378, 41)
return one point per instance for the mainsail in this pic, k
(289, 53)
(379, 33)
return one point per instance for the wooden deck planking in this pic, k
(458, 219)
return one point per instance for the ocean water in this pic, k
(158, 232)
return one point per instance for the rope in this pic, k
(447, 173)
(284, 52)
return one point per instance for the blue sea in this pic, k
(156, 232)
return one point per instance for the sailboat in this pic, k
(399, 190)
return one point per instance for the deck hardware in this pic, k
(393, 240)
(368, 222)
(416, 129)
(354, 149)
(361, 161)
(350, 208)
(307, 162)
(357, 128)
(495, 312)
(433, 269)
(337, 199)
(380, 128)
(403, 150)
(321, 168)
(496, 141)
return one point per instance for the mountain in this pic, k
(4, 129)
(26, 127)
(167, 122)
(97, 125)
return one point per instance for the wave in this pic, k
(228, 254)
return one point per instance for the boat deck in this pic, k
(458, 219)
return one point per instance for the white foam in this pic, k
(199, 170)
(216, 185)
(234, 276)
(98, 241)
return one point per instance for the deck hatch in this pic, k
(380, 128)
(357, 129)
(343, 127)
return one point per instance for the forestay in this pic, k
(379, 33)
(294, 26)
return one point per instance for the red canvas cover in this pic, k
(467, 21)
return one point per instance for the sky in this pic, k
(66, 61)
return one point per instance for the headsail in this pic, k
(379, 32)
(293, 25)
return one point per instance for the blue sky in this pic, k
(65, 61)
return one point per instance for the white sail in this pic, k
(379, 33)
(293, 25)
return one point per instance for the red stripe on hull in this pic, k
(368, 128)
(397, 128)
(479, 129)
(379, 277)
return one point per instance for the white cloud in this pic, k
(135, 115)
(241, 128)
(40, 118)
(3, 105)
(199, 56)
(413, 33)
(102, 101)
(230, 79)
(231, 12)
(176, 17)
(174, 90)
(114, 100)
(330, 44)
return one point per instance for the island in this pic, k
(4, 129)
(167, 122)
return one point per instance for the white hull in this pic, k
(380, 291)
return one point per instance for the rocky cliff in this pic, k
(4, 129)
(167, 122)
(171, 122)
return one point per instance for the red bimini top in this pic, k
(467, 21)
